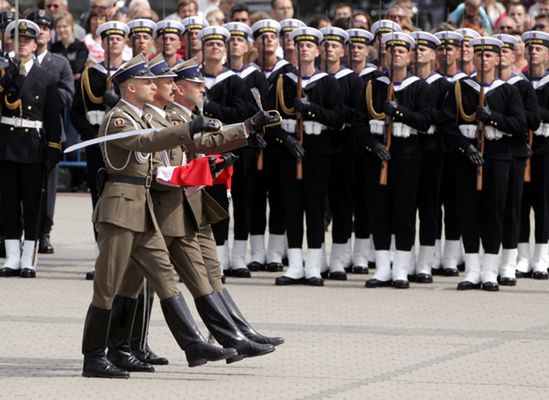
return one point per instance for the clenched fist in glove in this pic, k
(204, 124)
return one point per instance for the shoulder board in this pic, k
(433, 78)
(367, 70)
(211, 82)
(344, 72)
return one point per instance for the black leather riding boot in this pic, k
(139, 339)
(94, 341)
(183, 327)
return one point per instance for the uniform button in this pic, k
(26, 130)
(11, 128)
(37, 97)
(29, 108)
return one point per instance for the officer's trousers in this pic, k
(116, 246)
(481, 212)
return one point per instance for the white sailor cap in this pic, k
(358, 35)
(194, 22)
(169, 26)
(425, 39)
(113, 28)
(486, 43)
(239, 29)
(384, 26)
(26, 28)
(144, 25)
(214, 33)
(508, 41)
(160, 68)
(468, 34)
(398, 39)
(264, 26)
(290, 24)
(306, 34)
(535, 37)
(334, 34)
(449, 38)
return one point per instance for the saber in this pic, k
(108, 138)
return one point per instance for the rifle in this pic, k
(528, 165)
(388, 127)
(260, 156)
(299, 115)
(480, 124)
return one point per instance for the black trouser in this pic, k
(267, 185)
(511, 218)
(536, 196)
(428, 199)
(307, 196)
(221, 228)
(361, 203)
(244, 173)
(481, 212)
(394, 206)
(20, 184)
(49, 205)
(448, 197)
(341, 196)
(94, 162)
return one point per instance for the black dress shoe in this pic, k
(359, 269)
(90, 275)
(8, 272)
(490, 287)
(129, 362)
(325, 275)
(274, 267)
(149, 357)
(338, 276)
(44, 244)
(506, 281)
(540, 275)
(286, 280)
(314, 281)
(227, 272)
(461, 267)
(256, 266)
(285, 261)
(371, 264)
(520, 274)
(466, 285)
(375, 283)
(437, 271)
(424, 277)
(348, 269)
(100, 367)
(450, 272)
(241, 273)
(411, 278)
(401, 284)
(28, 273)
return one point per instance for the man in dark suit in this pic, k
(30, 147)
(60, 68)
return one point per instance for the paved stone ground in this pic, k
(342, 341)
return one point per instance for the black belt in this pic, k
(132, 180)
